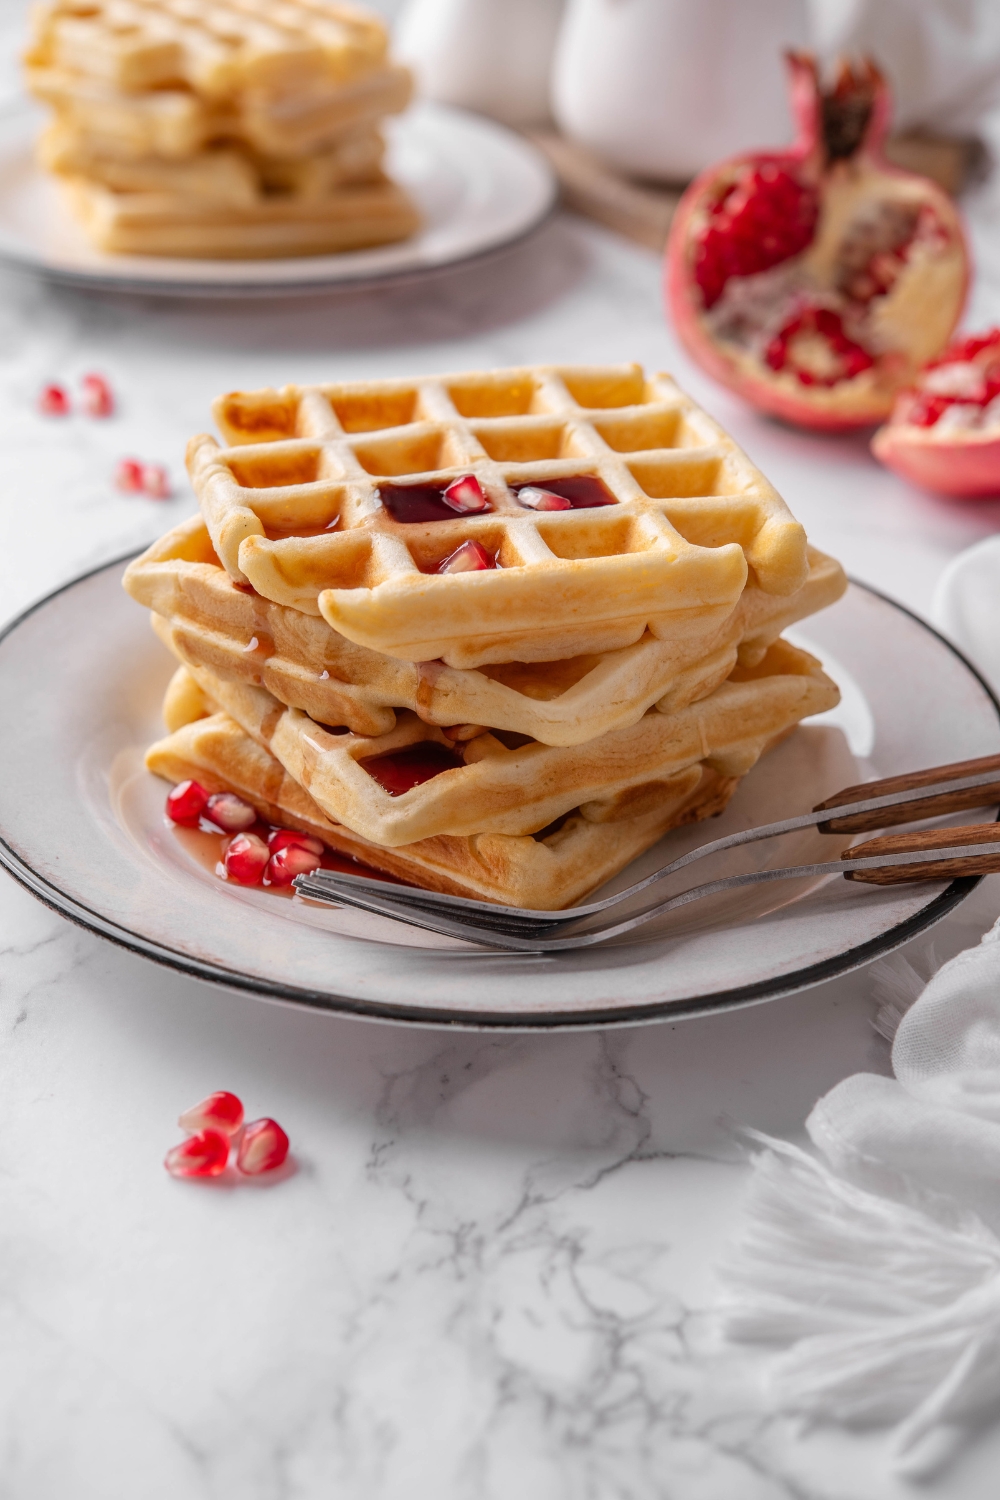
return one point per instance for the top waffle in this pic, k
(216, 47)
(311, 503)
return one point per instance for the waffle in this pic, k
(216, 47)
(497, 784)
(552, 870)
(352, 218)
(293, 507)
(298, 657)
(222, 175)
(176, 124)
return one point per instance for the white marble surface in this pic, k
(489, 1277)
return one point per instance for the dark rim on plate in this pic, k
(667, 1010)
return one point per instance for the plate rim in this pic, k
(399, 1013)
(130, 284)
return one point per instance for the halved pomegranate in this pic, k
(817, 281)
(944, 432)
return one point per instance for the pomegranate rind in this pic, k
(913, 322)
(962, 466)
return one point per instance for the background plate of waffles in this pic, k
(82, 826)
(475, 186)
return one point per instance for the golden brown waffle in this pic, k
(349, 218)
(498, 784)
(217, 47)
(306, 664)
(293, 507)
(547, 872)
(222, 175)
(176, 124)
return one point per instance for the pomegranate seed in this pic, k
(466, 494)
(280, 838)
(263, 1147)
(289, 862)
(230, 813)
(763, 218)
(201, 1155)
(536, 498)
(53, 401)
(470, 557)
(245, 859)
(220, 1111)
(187, 802)
(156, 482)
(128, 476)
(98, 400)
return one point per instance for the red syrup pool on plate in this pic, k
(413, 504)
(401, 770)
(583, 491)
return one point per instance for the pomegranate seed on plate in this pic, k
(245, 859)
(221, 1111)
(263, 1147)
(533, 496)
(280, 838)
(201, 1155)
(470, 557)
(98, 400)
(187, 802)
(53, 401)
(290, 861)
(230, 813)
(128, 476)
(466, 494)
(156, 482)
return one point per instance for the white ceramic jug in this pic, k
(494, 56)
(663, 88)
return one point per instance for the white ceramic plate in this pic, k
(480, 188)
(82, 826)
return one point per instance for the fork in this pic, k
(879, 804)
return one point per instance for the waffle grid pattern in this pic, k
(293, 508)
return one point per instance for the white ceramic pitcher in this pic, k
(494, 56)
(663, 88)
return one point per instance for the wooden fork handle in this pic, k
(930, 806)
(932, 838)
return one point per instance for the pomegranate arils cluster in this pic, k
(216, 1127)
(96, 400)
(246, 857)
(763, 218)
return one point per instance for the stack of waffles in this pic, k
(220, 128)
(493, 634)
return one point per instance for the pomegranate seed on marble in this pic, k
(98, 400)
(128, 476)
(466, 494)
(187, 802)
(290, 861)
(280, 838)
(245, 859)
(221, 1111)
(470, 557)
(263, 1147)
(53, 401)
(536, 498)
(156, 482)
(230, 813)
(201, 1155)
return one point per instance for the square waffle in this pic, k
(175, 123)
(549, 871)
(353, 217)
(311, 503)
(306, 664)
(414, 783)
(218, 48)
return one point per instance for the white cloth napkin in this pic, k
(877, 1264)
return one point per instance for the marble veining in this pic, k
(489, 1276)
